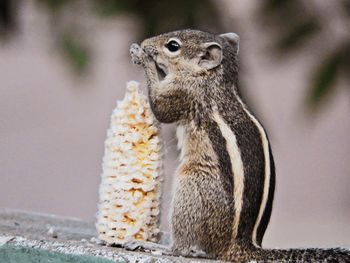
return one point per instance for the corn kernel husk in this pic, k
(129, 193)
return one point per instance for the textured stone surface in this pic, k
(17, 254)
(31, 237)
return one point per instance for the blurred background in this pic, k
(64, 63)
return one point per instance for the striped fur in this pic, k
(225, 182)
(249, 139)
(266, 183)
(219, 143)
(236, 166)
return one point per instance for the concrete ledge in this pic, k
(31, 237)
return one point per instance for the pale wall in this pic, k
(53, 124)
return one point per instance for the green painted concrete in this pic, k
(16, 254)
(25, 237)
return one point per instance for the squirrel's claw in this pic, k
(194, 252)
(137, 54)
(144, 245)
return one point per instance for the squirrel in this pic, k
(226, 178)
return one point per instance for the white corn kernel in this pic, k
(129, 193)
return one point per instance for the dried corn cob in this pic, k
(132, 166)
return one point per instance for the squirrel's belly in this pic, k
(202, 215)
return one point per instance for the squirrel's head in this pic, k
(195, 55)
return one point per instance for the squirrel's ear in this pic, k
(233, 39)
(211, 56)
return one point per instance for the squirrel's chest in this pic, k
(180, 134)
(197, 154)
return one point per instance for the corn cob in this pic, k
(129, 192)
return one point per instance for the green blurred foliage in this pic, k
(54, 5)
(154, 16)
(324, 78)
(162, 16)
(75, 52)
(297, 35)
(326, 74)
(7, 19)
(295, 27)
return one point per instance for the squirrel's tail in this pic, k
(257, 254)
(302, 255)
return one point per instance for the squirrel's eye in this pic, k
(172, 46)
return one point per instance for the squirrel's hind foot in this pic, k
(192, 252)
(144, 245)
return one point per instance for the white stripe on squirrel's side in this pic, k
(265, 144)
(237, 167)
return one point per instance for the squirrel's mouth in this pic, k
(161, 70)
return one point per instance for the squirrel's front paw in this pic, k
(137, 54)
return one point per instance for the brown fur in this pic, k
(202, 211)
(203, 206)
